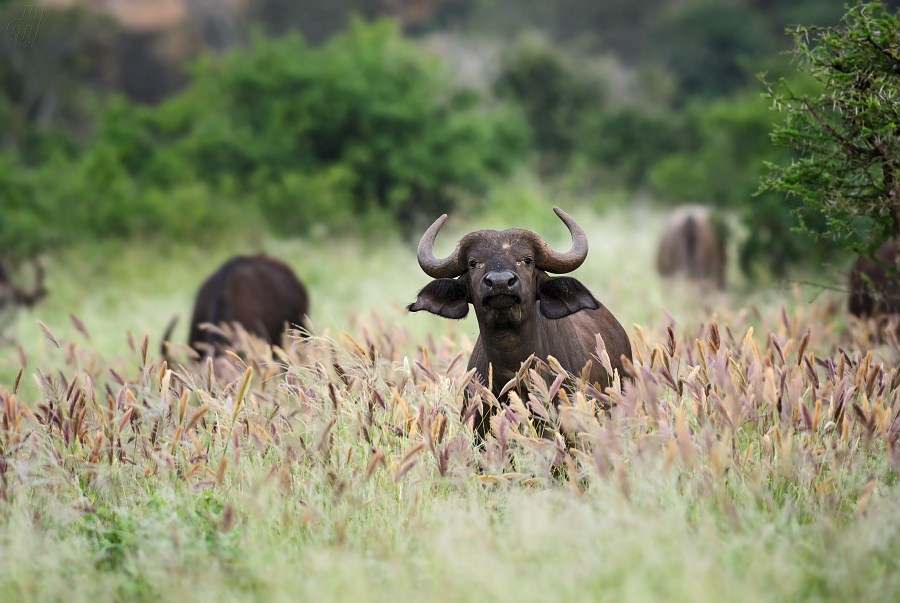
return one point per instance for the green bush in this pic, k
(302, 199)
(629, 141)
(556, 95)
(367, 105)
(21, 208)
(365, 125)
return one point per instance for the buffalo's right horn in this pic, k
(558, 262)
(449, 267)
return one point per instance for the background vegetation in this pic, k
(363, 127)
(365, 130)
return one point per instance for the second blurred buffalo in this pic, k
(261, 294)
(693, 244)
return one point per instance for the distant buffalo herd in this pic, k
(522, 311)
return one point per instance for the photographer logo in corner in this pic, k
(23, 32)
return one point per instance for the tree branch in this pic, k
(850, 145)
(883, 51)
(822, 287)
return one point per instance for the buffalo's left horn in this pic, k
(449, 267)
(557, 262)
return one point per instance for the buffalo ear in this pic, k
(563, 295)
(445, 297)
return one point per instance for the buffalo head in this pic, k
(503, 274)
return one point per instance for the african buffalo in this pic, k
(10, 292)
(520, 309)
(690, 244)
(261, 294)
(875, 283)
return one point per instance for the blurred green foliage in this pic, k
(563, 98)
(629, 141)
(556, 94)
(51, 88)
(364, 126)
(707, 45)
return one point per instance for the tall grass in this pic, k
(737, 463)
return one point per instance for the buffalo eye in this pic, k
(473, 264)
(527, 261)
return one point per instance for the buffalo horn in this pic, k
(449, 267)
(560, 263)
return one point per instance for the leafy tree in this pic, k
(847, 133)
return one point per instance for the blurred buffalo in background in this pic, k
(875, 283)
(259, 293)
(521, 309)
(12, 294)
(692, 245)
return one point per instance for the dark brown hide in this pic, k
(690, 245)
(875, 283)
(261, 294)
(521, 310)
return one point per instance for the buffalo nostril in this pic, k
(502, 280)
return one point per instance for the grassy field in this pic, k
(754, 459)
